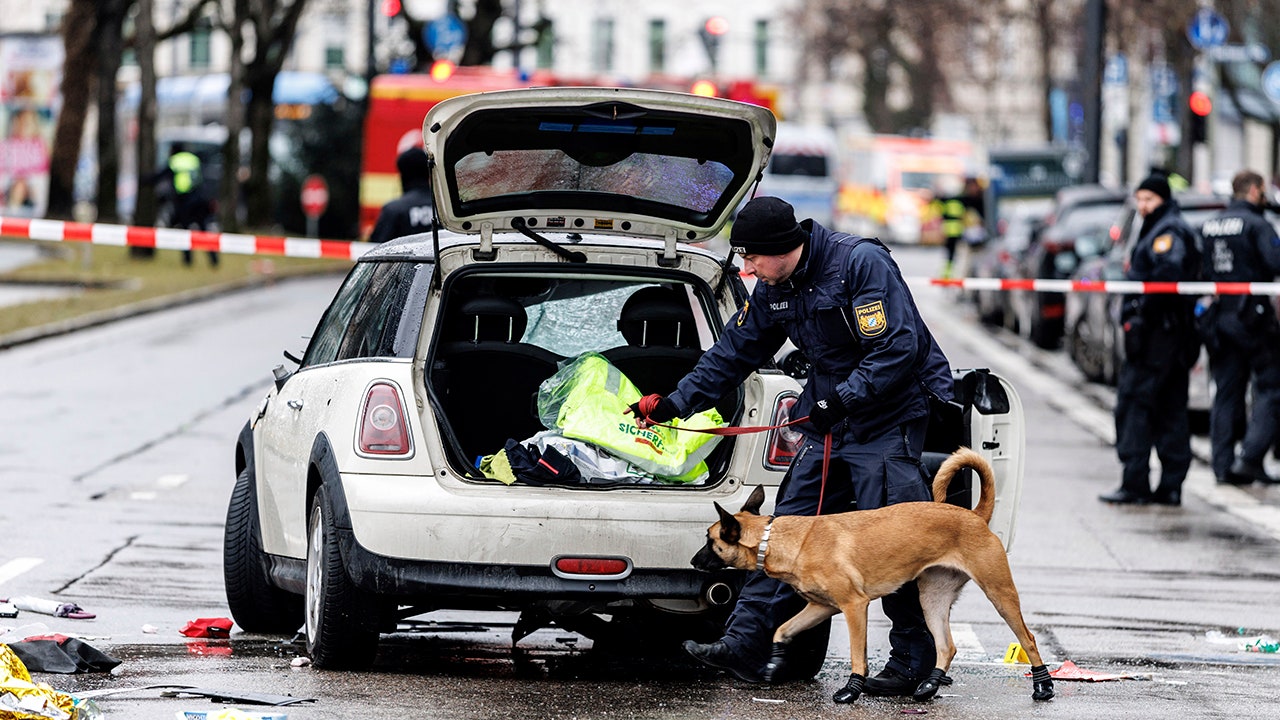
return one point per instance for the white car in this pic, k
(567, 217)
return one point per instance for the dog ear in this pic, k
(755, 501)
(730, 529)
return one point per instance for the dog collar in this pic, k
(764, 545)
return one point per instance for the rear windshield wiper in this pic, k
(571, 255)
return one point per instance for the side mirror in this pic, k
(281, 375)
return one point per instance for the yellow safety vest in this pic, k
(585, 400)
(953, 211)
(186, 171)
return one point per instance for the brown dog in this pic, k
(840, 563)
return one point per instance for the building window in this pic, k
(657, 46)
(762, 48)
(547, 45)
(334, 58)
(200, 35)
(602, 47)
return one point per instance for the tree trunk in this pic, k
(229, 185)
(1045, 33)
(479, 49)
(77, 87)
(259, 198)
(144, 48)
(110, 34)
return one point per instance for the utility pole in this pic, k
(1094, 40)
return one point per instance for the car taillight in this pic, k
(596, 567)
(383, 428)
(784, 443)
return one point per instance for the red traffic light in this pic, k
(1200, 103)
(716, 25)
(391, 8)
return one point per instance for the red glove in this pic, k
(654, 409)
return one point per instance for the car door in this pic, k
(295, 415)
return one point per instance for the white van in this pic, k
(802, 171)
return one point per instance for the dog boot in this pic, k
(929, 687)
(1041, 683)
(773, 670)
(851, 689)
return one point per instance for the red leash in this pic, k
(648, 403)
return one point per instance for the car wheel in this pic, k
(341, 619)
(1084, 352)
(256, 604)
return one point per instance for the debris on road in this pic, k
(237, 696)
(208, 628)
(49, 607)
(22, 699)
(1070, 671)
(227, 714)
(1241, 641)
(61, 654)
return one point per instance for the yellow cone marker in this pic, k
(1015, 654)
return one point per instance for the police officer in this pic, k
(875, 367)
(411, 212)
(1161, 345)
(959, 215)
(1242, 333)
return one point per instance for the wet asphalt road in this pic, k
(115, 464)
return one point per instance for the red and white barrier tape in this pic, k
(1133, 287)
(173, 239)
(237, 244)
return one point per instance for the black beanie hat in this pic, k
(1157, 184)
(766, 226)
(413, 166)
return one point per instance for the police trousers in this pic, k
(1151, 411)
(1232, 367)
(882, 471)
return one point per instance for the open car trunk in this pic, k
(504, 330)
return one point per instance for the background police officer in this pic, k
(842, 300)
(1161, 344)
(1242, 333)
(411, 212)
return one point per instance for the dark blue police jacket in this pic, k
(848, 309)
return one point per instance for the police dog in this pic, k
(840, 563)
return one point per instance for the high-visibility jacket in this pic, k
(586, 400)
(953, 217)
(185, 167)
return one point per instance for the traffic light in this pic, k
(390, 8)
(442, 70)
(1200, 106)
(712, 29)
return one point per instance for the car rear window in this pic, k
(376, 313)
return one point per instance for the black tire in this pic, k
(341, 619)
(256, 605)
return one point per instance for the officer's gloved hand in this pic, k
(826, 413)
(654, 409)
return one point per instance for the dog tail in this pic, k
(959, 460)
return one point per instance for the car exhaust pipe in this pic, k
(719, 594)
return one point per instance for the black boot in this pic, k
(851, 689)
(718, 655)
(773, 670)
(927, 689)
(1041, 683)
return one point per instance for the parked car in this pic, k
(567, 222)
(1095, 340)
(1077, 211)
(998, 259)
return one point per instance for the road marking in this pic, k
(1061, 396)
(142, 495)
(16, 567)
(172, 481)
(968, 647)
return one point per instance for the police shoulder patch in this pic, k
(1162, 244)
(871, 318)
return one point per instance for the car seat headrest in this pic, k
(657, 317)
(490, 318)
